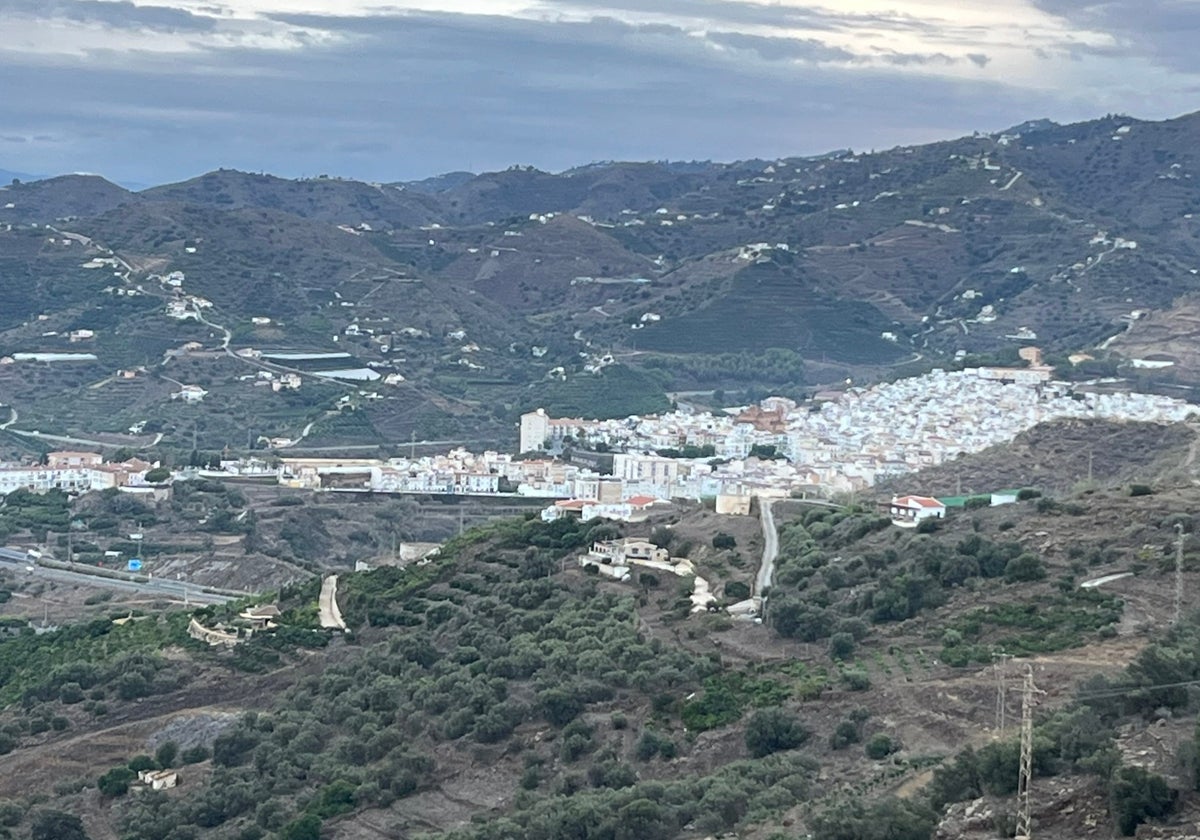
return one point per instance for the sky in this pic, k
(162, 90)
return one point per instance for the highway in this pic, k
(17, 561)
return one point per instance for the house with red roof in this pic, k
(907, 511)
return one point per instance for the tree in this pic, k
(722, 541)
(166, 754)
(307, 827)
(642, 819)
(158, 475)
(1024, 567)
(1136, 796)
(773, 730)
(56, 825)
(841, 646)
(116, 781)
(880, 746)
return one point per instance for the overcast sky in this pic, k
(166, 89)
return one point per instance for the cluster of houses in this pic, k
(845, 440)
(75, 472)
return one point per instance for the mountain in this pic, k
(7, 176)
(488, 289)
(323, 199)
(64, 196)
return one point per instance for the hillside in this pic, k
(501, 690)
(488, 289)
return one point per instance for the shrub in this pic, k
(844, 735)
(856, 679)
(116, 781)
(977, 502)
(773, 730)
(880, 745)
(158, 475)
(735, 590)
(929, 525)
(841, 646)
(56, 825)
(724, 541)
(1027, 493)
(1141, 490)
(142, 762)
(194, 755)
(1024, 567)
(1136, 796)
(166, 754)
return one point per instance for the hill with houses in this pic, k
(469, 299)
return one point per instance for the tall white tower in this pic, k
(535, 428)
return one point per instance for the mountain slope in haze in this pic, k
(322, 199)
(487, 290)
(59, 197)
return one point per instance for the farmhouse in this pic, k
(907, 511)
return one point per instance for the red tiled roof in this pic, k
(917, 501)
(641, 501)
(573, 504)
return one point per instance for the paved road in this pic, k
(18, 561)
(331, 615)
(766, 570)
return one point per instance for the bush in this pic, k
(142, 762)
(723, 541)
(773, 730)
(929, 525)
(841, 646)
(166, 754)
(1136, 796)
(1024, 567)
(307, 827)
(880, 745)
(977, 502)
(1027, 493)
(116, 781)
(56, 825)
(844, 735)
(856, 679)
(735, 590)
(1141, 490)
(194, 755)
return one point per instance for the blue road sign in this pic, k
(135, 565)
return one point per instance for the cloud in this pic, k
(112, 13)
(781, 49)
(389, 95)
(1163, 31)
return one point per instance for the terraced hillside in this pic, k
(487, 289)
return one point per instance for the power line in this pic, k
(1117, 692)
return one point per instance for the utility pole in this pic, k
(1024, 817)
(412, 446)
(1178, 572)
(1091, 456)
(1000, 666)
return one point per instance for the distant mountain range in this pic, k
(501, 291)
